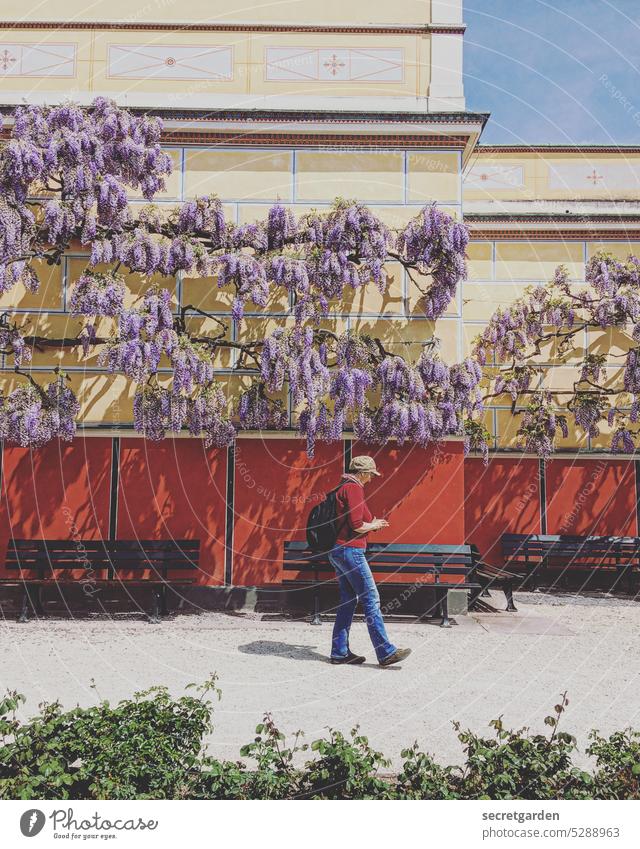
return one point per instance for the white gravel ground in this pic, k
(488, 664)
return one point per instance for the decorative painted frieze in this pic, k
(37, 60)
(482, 176)
(588, 176)
(169, 62)
(384, 65)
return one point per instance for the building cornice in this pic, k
(461, 129)
(248, 136)
(556, 148)
(349, 129)
(523, 233)
(548, 217)
(568, 226)
(328, 116)
(240, 26)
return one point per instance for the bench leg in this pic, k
(442, 598)
(31, 602)
(163, 601)
(631, 582)
(508, 592)
(474, 595)
(316, 619)
(531, 580)
(26, 605)
(154, 617)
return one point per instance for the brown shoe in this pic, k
(396, 657)
(350, 658)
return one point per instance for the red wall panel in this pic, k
(420, 493)
(276, 485)
(59, 491)
(591, 496)
(503, 497)
(175, 489)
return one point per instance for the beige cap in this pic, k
(364, 464)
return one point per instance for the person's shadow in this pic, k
(292, 651)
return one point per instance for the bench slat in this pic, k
(391, 570)
(391, 547)
(108, 544)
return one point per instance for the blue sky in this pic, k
(563, 72)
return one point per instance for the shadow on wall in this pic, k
(595, 496)
(59, 491)
(503, 497)
(175, 489)
(276, 485)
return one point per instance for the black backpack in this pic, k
(323, 525)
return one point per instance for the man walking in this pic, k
(354, 522)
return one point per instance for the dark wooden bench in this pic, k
(540, 554)
(100, 563)
(437, 562)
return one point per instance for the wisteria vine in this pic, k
(541, 328)
(66, 178)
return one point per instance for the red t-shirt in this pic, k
(352, 512)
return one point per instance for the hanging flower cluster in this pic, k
(515, 381)
(97, 294)
(292, 355)
(540, 424)
(31, 415)
(12, 343)
(588, 409)
(157, 410)
(435, 244)
(256, 411)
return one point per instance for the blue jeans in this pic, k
(356, 583)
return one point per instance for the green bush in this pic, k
(617, 774)
(423, 778)
(345, 769)
(519, 765)
(152, 747)
(147, 747)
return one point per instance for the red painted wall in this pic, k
(175, 489)
(60, 491)
(276, 485)
(591, 497)
(503, 497)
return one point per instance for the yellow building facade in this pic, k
(301, 103)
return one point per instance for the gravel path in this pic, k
(488, 664)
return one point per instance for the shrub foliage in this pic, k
(153, 746)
